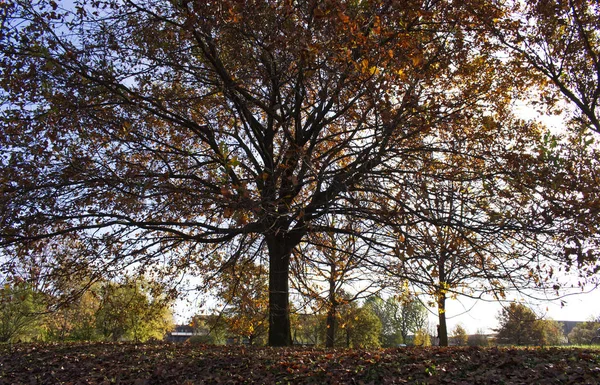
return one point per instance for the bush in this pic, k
(208, 339)
(477, 340)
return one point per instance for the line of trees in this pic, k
(373, 322)
(328, 142)
(586, 333)
(108, 311)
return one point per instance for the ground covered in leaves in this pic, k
(160, 363)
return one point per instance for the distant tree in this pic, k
(459, 336)
(210, 329)
(583, 333)
(243, 291)
(21, 312)
(128, 312)
(422, 338)
(386, 311)
(308, 329)
(550, 332)
(478, 339)
(519, 325)
(411, 316)
(399, 316)
(75, 320)
(359, 327)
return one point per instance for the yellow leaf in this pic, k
(417, 60)
(364, 65)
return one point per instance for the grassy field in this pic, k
(161, 363)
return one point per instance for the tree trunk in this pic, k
(331, 311)
(330, 335)
(280, 249)
(442, 328)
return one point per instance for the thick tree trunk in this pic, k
(330, 335)
(280, 249)
(442, 328)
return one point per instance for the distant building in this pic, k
(181, 333)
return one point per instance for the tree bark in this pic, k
(331, 312)
(443, 328)
(280, 249)
(330, 335)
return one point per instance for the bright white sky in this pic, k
(471, 314)
(483, 315)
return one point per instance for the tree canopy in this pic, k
(519, 325)
(185, 137)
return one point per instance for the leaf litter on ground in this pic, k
(164, 363)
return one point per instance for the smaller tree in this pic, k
(519, 325)
(359, 327)
(399, 316)
(326, 265)
(76, 320)
(550, 332)
(21, 313)
(210, 329)
(387, 312)
(412, 317)
(244, 294)
(128, 312)
(422, 338)
(459, 336)
(308, 329)
(478, 339)
(583, 333)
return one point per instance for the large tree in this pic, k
(559, 42)
(180, 135)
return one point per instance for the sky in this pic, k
(483, 315)
(470, 314)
